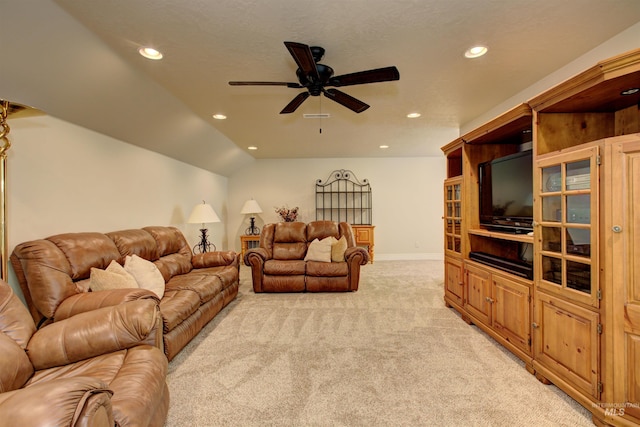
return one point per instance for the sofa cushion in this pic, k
(289, 241)
(16, 368)
(176, 306)
(86, 250)
(173, 265)
(206, 286)
(169, 240)
(146, 274)
(113, 277)
(319, 250)
(136, 376)
(322, 229)
(323, 269)
(275, 267)
(338, 248)
(228, 275)
(135, 242)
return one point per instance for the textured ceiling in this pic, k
(208, 43)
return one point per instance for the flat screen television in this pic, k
(506, 193)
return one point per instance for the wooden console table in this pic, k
(364, 237)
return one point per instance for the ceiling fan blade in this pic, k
(295, 103)
(301, 53)
(347, 100)
(287, 84)
(362, 77)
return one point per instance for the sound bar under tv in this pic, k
(519, 268)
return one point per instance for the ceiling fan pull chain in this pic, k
(320, 114)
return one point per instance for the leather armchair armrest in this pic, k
(255, 259)
(96, 332)
(215, 259)
(357, 255)
(79, 401)
(260, 255)
(89, 301)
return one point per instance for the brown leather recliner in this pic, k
(278, 265)
(87, 370)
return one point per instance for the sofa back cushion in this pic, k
(174, 253)
(322, 229)
(84, 251)
(134, 242)
(289, 240)
(49, 270)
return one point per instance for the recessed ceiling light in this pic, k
(252, 147)
(150, 53)
(219, 116)
(384, 146)
(475, 51)
(413, 115)
(630, 91)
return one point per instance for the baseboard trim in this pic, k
(410, 257)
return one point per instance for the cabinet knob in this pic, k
(534, 325)
(489, 300)
(616, 229)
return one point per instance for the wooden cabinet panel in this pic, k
(630, 392)
(511, 314)
(478, 297)
(453, 286)
(568, 342)
(364, 237)
(622, 262)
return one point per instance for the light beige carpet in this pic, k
(390, 354)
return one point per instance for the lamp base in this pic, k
(204, 245)
(252, 230)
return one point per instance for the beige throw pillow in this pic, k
(338, 249)
(112, 277)
(146, 274)
(319, 250)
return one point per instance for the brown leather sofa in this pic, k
(99, 368)
(54, 275)
(278, 264)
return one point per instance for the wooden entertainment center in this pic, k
(576, 323)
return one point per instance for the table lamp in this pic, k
(251, 207)
(203, 214)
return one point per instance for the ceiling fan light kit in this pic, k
(317, 116)
(315, 77)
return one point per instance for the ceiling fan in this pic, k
(315, 77)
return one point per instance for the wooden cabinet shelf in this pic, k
(522, 238)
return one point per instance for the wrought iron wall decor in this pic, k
(343, 197)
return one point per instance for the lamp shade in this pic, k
(203, 213)
(251, 207)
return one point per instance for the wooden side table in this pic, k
(249, 242)
(364, 237)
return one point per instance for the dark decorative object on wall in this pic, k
(343, 197)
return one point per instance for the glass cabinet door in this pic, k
(453, 215)
(566, 214)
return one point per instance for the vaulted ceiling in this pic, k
(78, 60)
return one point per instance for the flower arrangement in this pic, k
(287, 215)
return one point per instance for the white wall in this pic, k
(621, 43)
(64, 178)
(406, 193)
